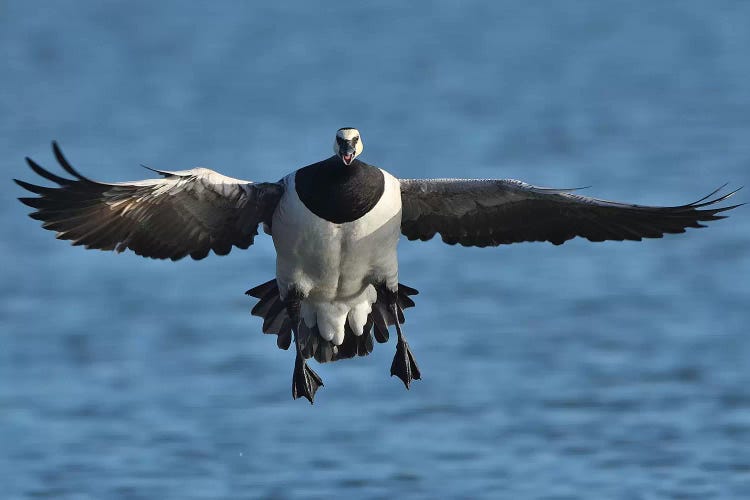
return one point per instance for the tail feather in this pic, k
(405, 291)
(308, 339)
(349, 347)
(274, 313)
(284, 340)
(272, 309)
(405, 301)
(265, 304)
(276, 325)
(364, 344)
(379, 317)
(355, 345)
(325, 351)
(368, 331)
(260, 290)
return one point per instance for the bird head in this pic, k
(348, 144)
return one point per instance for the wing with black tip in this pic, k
(487, 212)
(188, 212)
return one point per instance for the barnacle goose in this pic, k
(335, 225)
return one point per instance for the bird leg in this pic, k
(404, 365)
(305, 382)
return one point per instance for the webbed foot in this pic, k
(305, 381)
(404, 365)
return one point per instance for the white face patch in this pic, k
(348, 134)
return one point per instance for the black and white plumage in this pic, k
(335, 225)
(188, 212)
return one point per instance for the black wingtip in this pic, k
(711, 193)
(562, 190)
(160, 172)
(65, 164)
(31, 202)
(42, 172)
(32, 187)
(731, 207)
(706, 200)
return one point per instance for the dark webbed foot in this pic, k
(404, 365)
(305, 381)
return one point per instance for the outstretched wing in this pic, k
(487, 212)
(188, 212)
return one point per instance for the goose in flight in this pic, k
(335, 225)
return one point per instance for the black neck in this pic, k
(338, 192)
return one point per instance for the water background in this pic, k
(615, 370)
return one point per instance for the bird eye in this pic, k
(355, 139)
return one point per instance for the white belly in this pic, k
(335, 265)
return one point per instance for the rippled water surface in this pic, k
(615, 370)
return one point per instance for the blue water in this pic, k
(594, 371)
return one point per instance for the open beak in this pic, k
(347, 152)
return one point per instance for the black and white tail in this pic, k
(271, 308)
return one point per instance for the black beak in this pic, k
(345, 146)
(347, 150)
